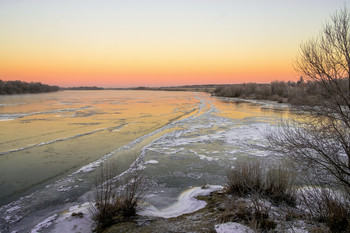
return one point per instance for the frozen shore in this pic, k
(186, 203)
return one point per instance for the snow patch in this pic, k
(203, 157)
(10, 210)
(63, 188)
(44, 224)
(78, 223)
(194, 175)
(187, 203)
(297, 230)
(152, 161)
(232, 227)
(12, 219)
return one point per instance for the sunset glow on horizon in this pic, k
(155, 43)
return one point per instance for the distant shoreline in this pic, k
(197, 88)
(296, 93)
(19, 87)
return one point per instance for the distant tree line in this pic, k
(20, 87)
(298, 93)
(84, 88)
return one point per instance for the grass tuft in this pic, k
(248, 178)
(116, 199)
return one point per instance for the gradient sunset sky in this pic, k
(124, 43)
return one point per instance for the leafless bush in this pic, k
(115, 199)
(328, 206)
(264, 92)
(260, 215)
(279, 88)
(245, 178)
(277, 184)
(235, 210)
(251, 212)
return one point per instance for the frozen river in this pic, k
(51, 145)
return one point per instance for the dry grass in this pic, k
(248, 178)
(245, 178)
(116, 200)
(250, 212)
(329, 207)
(279, 186)
(235, 210)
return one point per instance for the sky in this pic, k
(128, 43)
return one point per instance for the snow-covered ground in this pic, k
(232, 227)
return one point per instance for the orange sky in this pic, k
(155, 43)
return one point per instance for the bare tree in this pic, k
(319, 137)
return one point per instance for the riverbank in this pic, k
(217, 216)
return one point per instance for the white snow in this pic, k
(203, 157)
(152, 161)
(10, 210)
(68, 223)
(232, 227)
(44, 224)
(297, 230)
(89, 168)
(12, 219)
(63, 188)
(194, 175)
(187, 203)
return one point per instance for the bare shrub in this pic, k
(245, 178)
(260, 216)
(279, 88)
(279, 185)
(250, 212)
(264, 92)
(235, 210)
(115, 199)
(329, 207)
